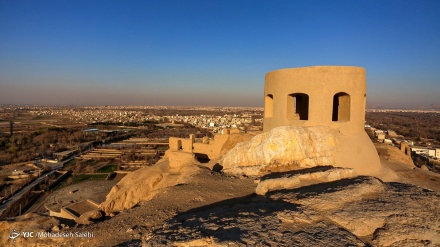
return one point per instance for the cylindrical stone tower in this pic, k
(333, 96)
(320, 95)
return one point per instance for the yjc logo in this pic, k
(14, 234)
(27, 234)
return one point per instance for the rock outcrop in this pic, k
(303, 178)
(362, 211)
(281, 149)
(143, 184)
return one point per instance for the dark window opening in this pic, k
(298, 106)
(341, 107)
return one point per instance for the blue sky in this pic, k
(211, 52)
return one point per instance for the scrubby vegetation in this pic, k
(418, 126)
(85, 177)
(108, 168)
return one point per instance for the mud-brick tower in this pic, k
(333, 96)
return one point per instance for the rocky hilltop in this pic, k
(361, 211)
(287, 198)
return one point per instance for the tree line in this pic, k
(418, 126)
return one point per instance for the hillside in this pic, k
(400, 208)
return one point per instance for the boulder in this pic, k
(281, 149)
(89, 217)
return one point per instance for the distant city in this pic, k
(212, 118)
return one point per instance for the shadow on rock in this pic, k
(250, 221)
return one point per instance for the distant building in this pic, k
(388, 141)
(411, 143)
(50, 164)
(427, 151)
(377, 132)
(381, 137)
(59, 156)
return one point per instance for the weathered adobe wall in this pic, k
(174, 143)
(182, 144)
(187, 145)
(213, 148)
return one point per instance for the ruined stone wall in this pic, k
(187, 145)
(182, 144)
(213, 148)
(404, 147)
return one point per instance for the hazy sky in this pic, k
(211, 52)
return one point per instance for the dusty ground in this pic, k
(225, 208)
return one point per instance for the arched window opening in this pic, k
(298, 106)
(268, 106)
(341, 107)
(179, 145)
